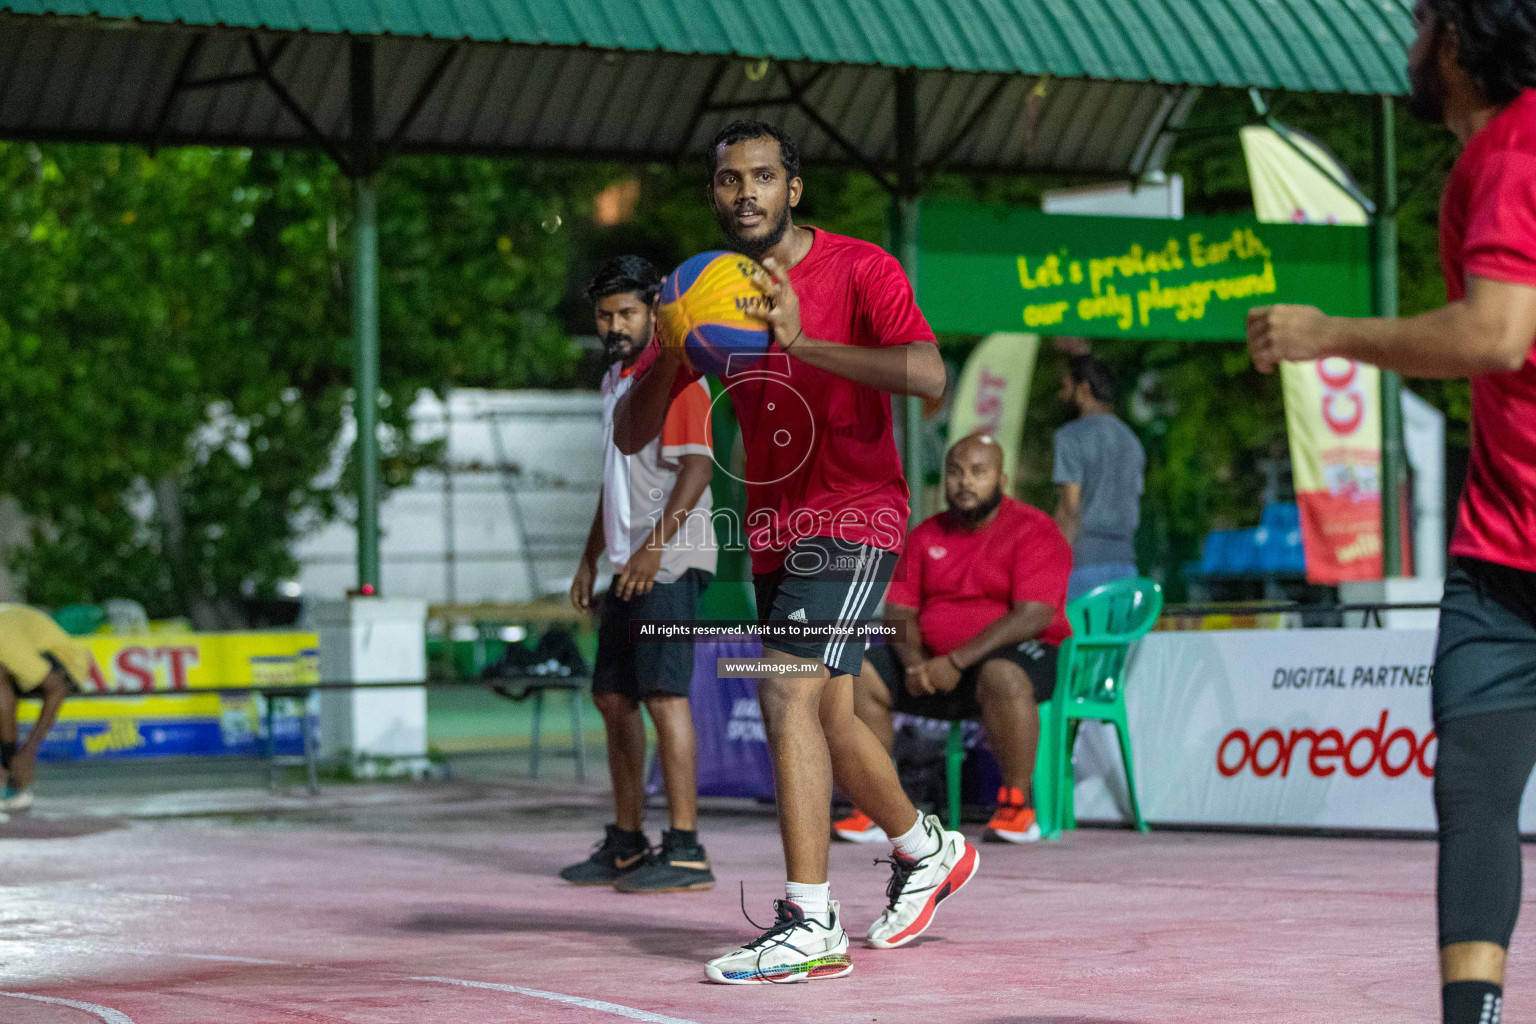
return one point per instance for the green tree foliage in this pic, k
(175, 355)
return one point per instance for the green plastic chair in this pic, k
(1090, 684)
(954, 761)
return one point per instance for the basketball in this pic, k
(706, 310)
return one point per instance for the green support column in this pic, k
(1394, 457)
(904, 247)
(365, 313)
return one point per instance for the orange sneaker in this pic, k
(1012, 822)
(858, 828)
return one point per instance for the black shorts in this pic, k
(1485, 658)
(648, 668)
(825, 580)
(1038, 661)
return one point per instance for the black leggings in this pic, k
(1480, 775)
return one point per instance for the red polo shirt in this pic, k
(961, 580)
(821, 460)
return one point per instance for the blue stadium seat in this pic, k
(1243, 555)
(1213, 553)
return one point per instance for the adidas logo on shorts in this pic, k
(798, 615)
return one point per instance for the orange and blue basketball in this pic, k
(706, 310)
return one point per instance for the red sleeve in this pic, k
(1042, 561)
(906, 587)
(685, 375)
(686, 428)
(887, 305)
(1500, 242)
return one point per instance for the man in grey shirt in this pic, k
(1098, 477)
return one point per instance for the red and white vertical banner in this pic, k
(993, 394)
(1332, 407)
(1333, 418)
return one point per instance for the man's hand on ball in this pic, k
(783, 315)
(1289, 334)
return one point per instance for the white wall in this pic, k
(550, 456)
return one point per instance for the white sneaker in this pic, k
(917, 887)
(794, 949)
(16, 800)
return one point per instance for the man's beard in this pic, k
(1426, 86)
(755, 248)
(974, 517)
(619, 347)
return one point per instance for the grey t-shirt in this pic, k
(1101, 454)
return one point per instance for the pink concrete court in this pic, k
(439, 905)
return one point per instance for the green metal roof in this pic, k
(1089, 87)
(1354, 46)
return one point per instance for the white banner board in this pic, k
(1326, 728)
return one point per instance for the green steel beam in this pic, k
(1384, 245)
(904, 246)
(365, 312)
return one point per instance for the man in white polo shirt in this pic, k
(653, 518)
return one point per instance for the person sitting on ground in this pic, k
(977, 603)
(36, 657)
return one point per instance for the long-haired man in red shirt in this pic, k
(826, 515)
(1473, 69)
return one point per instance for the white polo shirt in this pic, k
(636, 487)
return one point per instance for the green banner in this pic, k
(994, 268)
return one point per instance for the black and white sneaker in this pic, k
(794, 949)
(619, 854)
(682, 866)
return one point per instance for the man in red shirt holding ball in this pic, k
(827, 511)
(1473, 69)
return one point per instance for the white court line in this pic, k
(106, 1013)
(115, 1017)
(555, 997)
(206, 956)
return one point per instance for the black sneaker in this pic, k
(683, 866)
(620, 853)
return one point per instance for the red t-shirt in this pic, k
(1488, 229)
(961, 581)
(821, 460)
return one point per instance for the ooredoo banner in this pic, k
(1326, 728)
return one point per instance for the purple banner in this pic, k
(733, 752)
